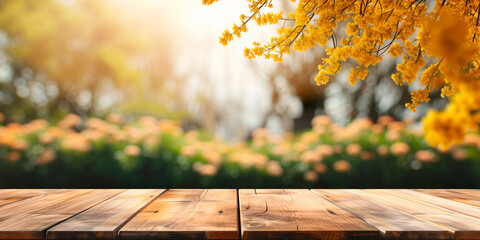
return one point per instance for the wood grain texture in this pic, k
(213, 214)
(31, 217)
(199, 194)
(195, 213)
(462, 226)
(19, 220)
(78, 204)
(105, 219)
(455, 206)
(391, 222)
(299, 214)
(8, 196)
(460, 195)
(38, 202)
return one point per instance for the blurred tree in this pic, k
(365, 99)
(84, 56)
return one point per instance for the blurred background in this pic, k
(123, 59)
(162, 58)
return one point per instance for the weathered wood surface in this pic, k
(105, 219)
(8, 196)
(22, 220)
(205, 214)
(244, 213)
(297, 214)
(31, 217)
(463, 208)
(391, 222)
(462, 226)
(465, 196)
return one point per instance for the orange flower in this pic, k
(76, 142)
(320, 168)
(367, 155)
(377, 128)
(459, 154)
(400, 148)
(321, 120)
(115, 118)
(310, 157)
(392, 135)
(204, 169)
(425, 156)
(385, 120)
(342, 166)
(46, 138)
(132, 150)
(212, 157)
(69, 121)
(325, 150)
(310, 176)
(281, 149)
(260, 133)
(13, 156)
(259, 160)
(396, 126)
(338, 149)
(353, 149)
(274, 169)
(47, 156)
(382, 150)
(20, 144)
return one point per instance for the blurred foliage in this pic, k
(91, 152)
(83, 57)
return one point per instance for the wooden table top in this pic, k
(243, 213)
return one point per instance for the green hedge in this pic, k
(151, 153)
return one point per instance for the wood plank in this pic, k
(466, 209)
(299, 214)
(36, 203)
(78, 204)
(460, 195)
(200, 214)
(105, 219)
(462, 226)
(28, 226)
(31, 219)
(199, 194)
(8, 196)
(391, 222)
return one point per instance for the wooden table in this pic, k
(244, 213)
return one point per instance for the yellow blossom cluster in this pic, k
(443, 32)
(448, 127)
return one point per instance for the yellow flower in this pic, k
(448, 34)
(443, 129)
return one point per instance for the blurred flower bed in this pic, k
(84, 153)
